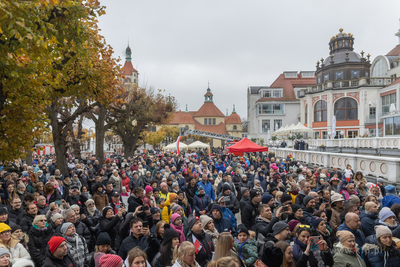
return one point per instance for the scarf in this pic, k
(91, 210)
(70, 239)
(179, 229)
(263, 219)
(67, 183)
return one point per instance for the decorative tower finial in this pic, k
(208, 97)
(226, 113)
(234, 110)
(398, 33)
(128, 53)
(186, 111)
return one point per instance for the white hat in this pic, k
(336, 198)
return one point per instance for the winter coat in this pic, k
(360, 239)
(299, 198)
(222, 225)
(125, 183)
(221, 184)
(190, 193)
(377, 257)
(55, 196)
(133, 203)
(335, 220)
(205, 254)
(312, 259)
(15, 215)
(243, 202)
(308, 214)
(368, 223)
(51, 261)
(130, 242)
(201, 203)
(117, 182)
(389, 200)
(247, 251)
(38, 243)
(110, 226)
(345, 257)
(182, 183)
(208, 189)
(26, 223)
(232, 204)
(156, 262)
(16, 249)
(78, 250)
(138, 182)
(249, 214)
(264, 227)
(100, 200)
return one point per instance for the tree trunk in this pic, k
(59, 139)
(28, 158)
(101, 129)
(129, 140)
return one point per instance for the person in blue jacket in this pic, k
(208, 188)
(221, 224)
(201, 201)
(352, 224)
(228, 214)
(220, 167)
(391, 197)
(368, 218)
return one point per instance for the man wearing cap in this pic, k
(391, 197)
(245, 198)
(308, 208)
(337, 201)
(202, 241)
(76, 244)
(280, 232)
(57, 254)
(250, 211)
(352, 224)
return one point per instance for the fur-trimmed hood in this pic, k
(342, 249)
(367, 248)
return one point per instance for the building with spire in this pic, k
(210, 119)
(130, 73)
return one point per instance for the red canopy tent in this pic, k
(245, 145)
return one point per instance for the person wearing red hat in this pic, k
(57, 255)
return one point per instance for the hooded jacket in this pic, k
(368, 222)
(389, 200)
(345, 257)
(222, 224)
(360, 239)
(377, 257)
(38, 243)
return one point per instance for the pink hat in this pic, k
(111, 260)
(274, 167)
(163, 184)
(148, 188)
(174, 216)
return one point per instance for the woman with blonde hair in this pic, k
(39, 234)
(224, 262)
(224, 248)
(16, 249)
(185, 255)
(136, 258)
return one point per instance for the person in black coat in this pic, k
(197, 233)
(190, 190)
(38, 238)
(57, 255)
(109, 223)
(221, 224)
(26, 221)
(250, 211)
(16, 212)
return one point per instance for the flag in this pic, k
(177, 145)
(197, 244)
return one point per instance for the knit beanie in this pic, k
(89, 201)
(103, 239)
(54, 242)
(242, 229)
(382, 230)
(169, 234)
(163, 184)
(23, 263)
(279, 227)
(390, 189)
(292, 224)
(64, 227)
(105, 209)
(56, 216)
(295, 208)
(254, 193)
(153, 210)
(272, 257)
(380, 180)
(225, 187)
(21, 185)
(344, 235)
(205, 219)
(243, 190)
(217, 207)
(174, 216)
(175, 208)
(4, 227)
(15, 227)
(148, 188)
(316, 221)
(4, 251)
(385, 213)
(266, 197)
(285, 197)
(110, 260)
(174, 184)
(307, 199)
(172, 196)
(3, 210)
(191, 221)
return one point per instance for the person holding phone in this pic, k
(307, 252)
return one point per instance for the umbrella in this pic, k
(198, 144)
(300, 128)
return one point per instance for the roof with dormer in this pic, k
(128, 68)
(209, 109)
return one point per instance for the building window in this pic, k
(271, 109)
(320, 112)
(326, 77)
(392, 126)
(346, 109)
(277, 124)
(379, 69)
(309, 74)
(272, 93)
(306, 114)
(214, 121)
(355, 74)
(319, 79)
(316, 135)
(265, 126)
(372, 113)
(205, 121)
(209, 121)
(234, 127)
(277, 93)
(339, 75)
(387, 100)
(352, 134)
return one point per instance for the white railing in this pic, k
(377, 166)
(361, 142)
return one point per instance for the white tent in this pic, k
(173, 146)
(281, 131)
(300, 128)
(198, 144)
(289, 129)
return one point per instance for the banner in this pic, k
(177, 145)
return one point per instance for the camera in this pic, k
(144, 208)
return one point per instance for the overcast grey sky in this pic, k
(181, 45)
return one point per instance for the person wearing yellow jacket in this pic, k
(164, 191)
(167, 210)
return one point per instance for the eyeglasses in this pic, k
(19, 202)
(42, 220)
(5, 232)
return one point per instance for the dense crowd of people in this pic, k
(195, 209)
